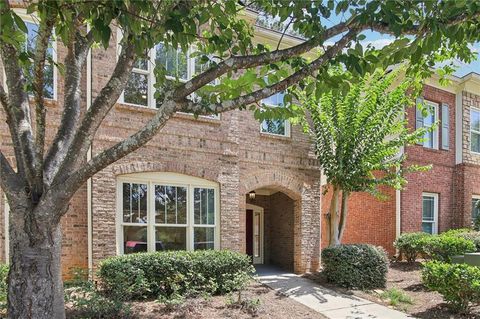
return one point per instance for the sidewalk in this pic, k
(329, 303)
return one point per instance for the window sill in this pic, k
(135, 107)
(276, 136)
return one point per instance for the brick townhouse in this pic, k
(436, 200)
(231, 182)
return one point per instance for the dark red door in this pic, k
(249, 232)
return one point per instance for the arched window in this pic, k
(166, 211)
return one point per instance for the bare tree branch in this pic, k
(18, 110)
(69, 153)
(74, 62)
(41, 47)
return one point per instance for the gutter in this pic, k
(89, 181)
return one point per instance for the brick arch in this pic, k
(283, 181)
(165, 166)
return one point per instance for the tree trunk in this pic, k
(35, 288)
(333, 222)
(343, 216)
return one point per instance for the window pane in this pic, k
(136, 89)
(170, 205)
(475, 142)
(160, 213)
(274, 100)
(204, 238)
(48, 81)
(427, 228)
(134, 203)
(274, 127)
(134, 239)
(174, 61)
(204, 206)
(428, 209)
(475, 120)
(475, 207)
(170, 238)
(141, 64)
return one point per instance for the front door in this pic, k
(254, 234)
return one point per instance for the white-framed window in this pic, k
(140, 89)
(50, 73)
(475, 206)
(278, 127)
(475, 130)
(166, 211)
(430, 213)
(427, 119)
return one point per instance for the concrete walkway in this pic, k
(329, 303)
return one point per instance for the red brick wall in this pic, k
(440, 179)
(282, 230)
(370, 220)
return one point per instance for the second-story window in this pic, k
(49, 90)
(273, 126)
(427, 118)
(475, 130)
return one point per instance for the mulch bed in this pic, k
(271, 306)
(407, 277)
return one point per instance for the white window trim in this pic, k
(287, 125)
(436, 131)
(435, 211)
(170, 179)
(151, 103)
(472, 131)
(32, 18)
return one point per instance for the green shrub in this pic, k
(175, 273)
(3, 286)
(411, 245)
(444, 246)
(473, 236)
(476, 223)
(459, 284)
(355, 266)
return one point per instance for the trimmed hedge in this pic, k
(443, 247)
(473, 236)
(411, 245)
(3, 286)
(459, 284)
(358, 266)
(174, 273)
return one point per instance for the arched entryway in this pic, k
(270, 233)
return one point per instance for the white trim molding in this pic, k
(434, 222)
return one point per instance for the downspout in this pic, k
(89, 181)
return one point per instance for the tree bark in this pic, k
(35, 288)
(333, 222)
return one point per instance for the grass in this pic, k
(396, 297)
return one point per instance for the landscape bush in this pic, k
(3, 286)
(411, 245)
(447, 245)
(459, 284)
(358, 266)
(175, 273)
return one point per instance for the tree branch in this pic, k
(68, 154)
(41, 47)
(74, 62)
(249, 61)
(18, 110)
(192, 107)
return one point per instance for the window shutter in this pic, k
(445, 126)
(419, 115)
